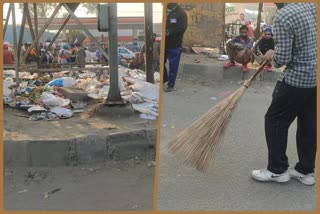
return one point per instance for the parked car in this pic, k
(125, 53)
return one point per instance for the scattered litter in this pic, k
(34, 176)
(223, 57)
(63, 82)
(52, 101)
(94, 96)
(173, 127)
(78, 105)
(151, 164)
(240, 82)
(164, 125)
(47, 194)
(78, 110)
(22, 191)
(213, 98)
(104, 91)
(135, 206)
(39, 95)
(90, 169)
(44, 116)
(210, 52)
(147, 108)
(62, 112)
(36, 109)
(87, 75)
(147, 117)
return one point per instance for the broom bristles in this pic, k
(200, 140)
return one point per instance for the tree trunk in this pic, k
(114, 95)
(257, 32)
(148, 41)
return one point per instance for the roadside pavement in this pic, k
(229, 186)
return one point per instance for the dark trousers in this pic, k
(155, 65)
(288, 103)
(173, 56)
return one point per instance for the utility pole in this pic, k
(257, 32)
(148, 31)
(16, 61)
(114, 96)
(23, 22)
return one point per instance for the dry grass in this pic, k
(199, 141)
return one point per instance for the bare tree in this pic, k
(91, 8)
(43, 9)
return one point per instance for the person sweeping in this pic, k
(294, 96)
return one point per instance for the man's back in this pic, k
(295, 36)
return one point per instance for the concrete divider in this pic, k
(89, 149)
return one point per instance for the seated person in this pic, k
(239, 49)
(8, 58)
(264, 44)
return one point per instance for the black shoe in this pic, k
(168, 89)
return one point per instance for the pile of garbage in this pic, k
(42, 96)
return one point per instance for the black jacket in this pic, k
(176, 25)
(263, 45)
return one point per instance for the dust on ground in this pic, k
(110, 186)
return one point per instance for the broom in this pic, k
(199, 141)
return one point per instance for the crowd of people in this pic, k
(77, 54)
(74, 54)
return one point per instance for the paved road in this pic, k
(122, 186)
(229, 186)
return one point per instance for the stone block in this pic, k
(75, 95)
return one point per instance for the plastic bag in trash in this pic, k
(146, 108)
(36, 109)
(62, 112)
(6, 91)
(147, 117)
(52, 101)
(63, 82)
(104, 91)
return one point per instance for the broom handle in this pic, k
(248, 82)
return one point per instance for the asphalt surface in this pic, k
(106, 187)
(228, 186)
